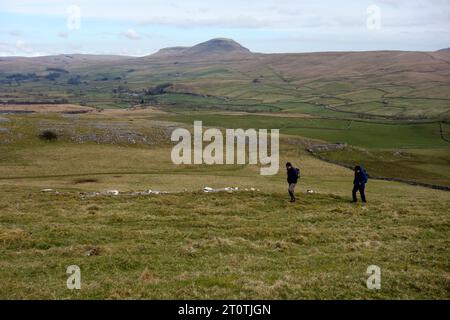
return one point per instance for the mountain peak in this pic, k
(215, 48)
(218, 46)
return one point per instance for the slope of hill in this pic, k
(169, 52)
(69, 61)
(187, 244)
(447, 50)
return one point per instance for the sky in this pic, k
(138, 27)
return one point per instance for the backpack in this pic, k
(364, 174)
(297, 170)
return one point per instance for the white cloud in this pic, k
(5, 49)
(266, 14)
(22, 46)
(261, 25)
(132, 34)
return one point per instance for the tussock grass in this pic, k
(189, 244)
(239, 245)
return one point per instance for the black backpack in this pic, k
(297, 170)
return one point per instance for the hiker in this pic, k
(359, 183)
(292, 177)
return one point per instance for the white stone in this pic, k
(208, 189)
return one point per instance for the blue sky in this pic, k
(138, 27)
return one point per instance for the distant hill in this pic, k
(447, 50)
(210, 67)
(69, 61)
(219, 48)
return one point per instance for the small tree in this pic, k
(48, 135)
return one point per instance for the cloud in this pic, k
(64, 35)
(327, 25)
(263, 14)
(15, 33)
(132, 34)
(273, 14)
(22, 46)
(5, 50)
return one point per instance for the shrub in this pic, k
(48, 135)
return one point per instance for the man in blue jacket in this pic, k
(359, 183)
(292, 178)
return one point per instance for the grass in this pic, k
(420, 165)
(216, 246)
(363, 134)
(189, 244)
(410, 151)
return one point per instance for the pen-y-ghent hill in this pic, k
(86, 177)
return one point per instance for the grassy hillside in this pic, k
(188, 244)
(208, 246)
(411, 151)
(408, 151)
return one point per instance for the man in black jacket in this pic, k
(359, 183)
(292, 178)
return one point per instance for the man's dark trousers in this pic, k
(360, 188)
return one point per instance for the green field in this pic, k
(408, 151)
(187, 244)
(357, 133)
